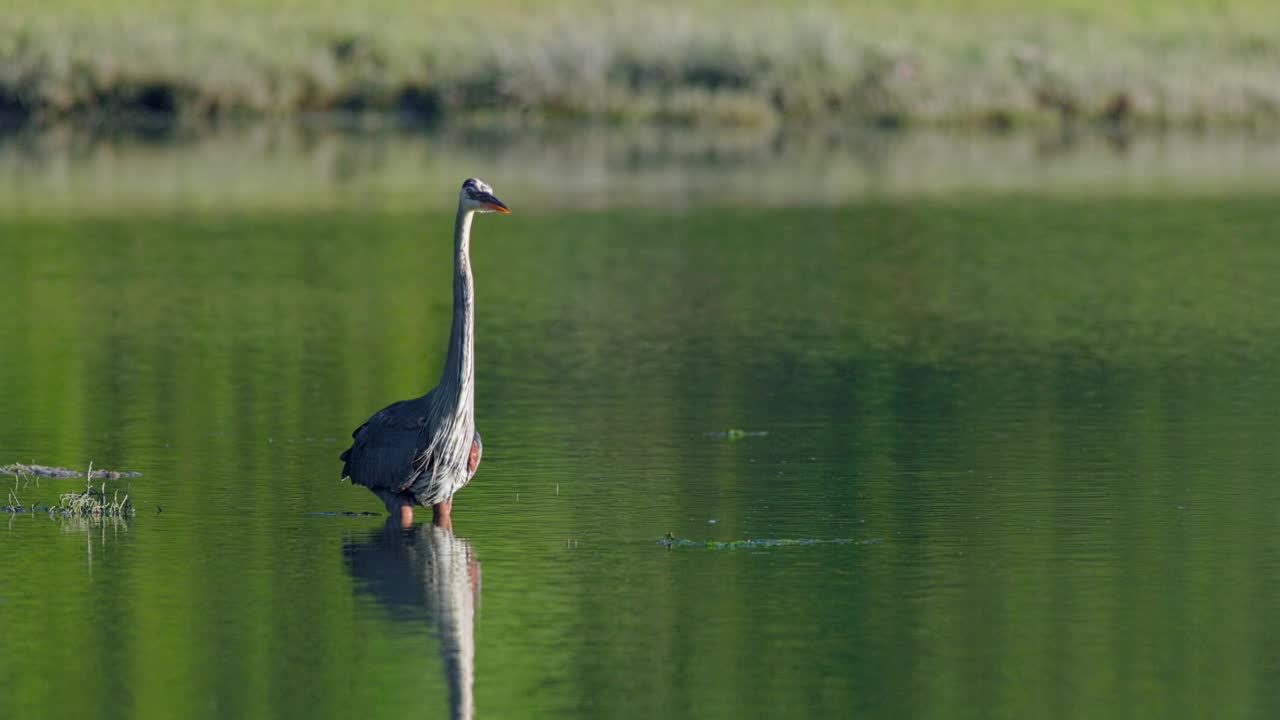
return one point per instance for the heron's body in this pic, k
(386, 456)
(422, 451)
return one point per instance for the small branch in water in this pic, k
(671, 541)
(64, 473)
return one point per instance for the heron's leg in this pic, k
(441, 514)
(406, 516)
(399, 506)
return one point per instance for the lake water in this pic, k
(1035, 400)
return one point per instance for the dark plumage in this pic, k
(385, 453)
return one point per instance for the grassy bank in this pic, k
(990, 62)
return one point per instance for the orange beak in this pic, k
(495, 203)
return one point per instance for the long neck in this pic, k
(457, 383)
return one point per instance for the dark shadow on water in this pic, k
(426, 572)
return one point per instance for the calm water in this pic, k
(1046, 421)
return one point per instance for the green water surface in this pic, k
(1048, 425)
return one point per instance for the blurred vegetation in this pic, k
(991, 63)
(280, 166)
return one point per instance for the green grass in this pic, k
(990, 62)
(94, 502)
(91, 503)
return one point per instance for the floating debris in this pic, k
(92, 503)
(671, 541)
(738, 434)
(62, 473)
(19, 509)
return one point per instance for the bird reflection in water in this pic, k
(426, 567)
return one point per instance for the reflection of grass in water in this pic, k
(973, 281)
(83, 523)
(277, 167)
(992, 63)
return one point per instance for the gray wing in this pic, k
(383, 450)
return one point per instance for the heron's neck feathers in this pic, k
(457, 382)
(450, 425)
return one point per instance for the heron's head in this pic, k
(478, 196)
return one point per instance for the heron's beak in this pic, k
(495, 203)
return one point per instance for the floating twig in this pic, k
(672, 541)
(62, 473)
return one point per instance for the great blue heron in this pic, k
(422, 451)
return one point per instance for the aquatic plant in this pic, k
(92, 502)
(735, 434)
(671, 541)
